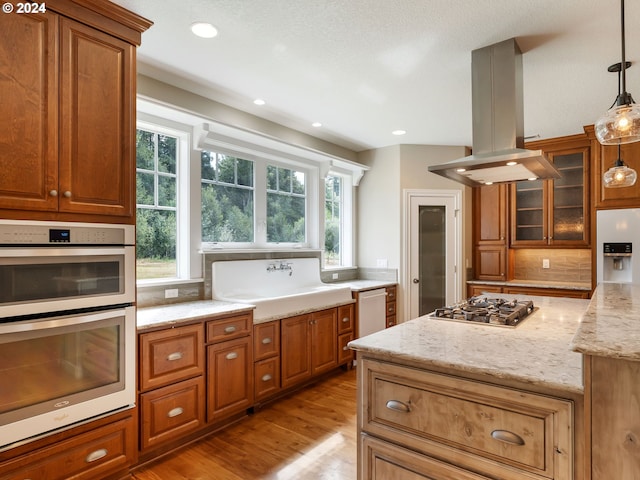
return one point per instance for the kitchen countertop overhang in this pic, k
(537, 352)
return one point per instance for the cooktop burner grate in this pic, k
(490, 311)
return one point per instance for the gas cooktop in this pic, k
(490, 311)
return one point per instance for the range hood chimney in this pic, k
(498, 126)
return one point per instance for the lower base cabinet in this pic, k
(446, 427)
(478, 289)
(106, 451)
(384, 461)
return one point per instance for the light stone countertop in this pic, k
(169, 315)
(362, 285)
(538, 351)
(611, 325)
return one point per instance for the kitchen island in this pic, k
(448, 399)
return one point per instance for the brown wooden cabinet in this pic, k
(604, 158)
(309, 346)
(346, 333)
(555, 212)
(467, 429)
(229, 366)
(474, 289)
(390, 305)
(172, 388)
(266, 354)
(490, 232)
(68, 148)
(105, 448)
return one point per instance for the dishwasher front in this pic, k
(372, 311)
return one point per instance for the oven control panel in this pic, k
(53, 233)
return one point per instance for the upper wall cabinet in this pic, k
(555, 212)
(490, 232)
(604, 157)
(67, 147)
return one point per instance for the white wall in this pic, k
(380, 202)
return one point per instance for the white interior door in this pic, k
(434, 250)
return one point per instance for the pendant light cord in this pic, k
(623, 63)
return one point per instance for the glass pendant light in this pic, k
(621, 124)
(620, 175)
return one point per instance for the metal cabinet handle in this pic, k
(53, 193)
(508, 437)
(175, 412)
(230, 329)
(172, 357)
(231, 356)
(96, 455)
(266, 377)
(345, 348)
(67, 194)
(398, 406)
(415, 280)
(266, 340)
(346, 320)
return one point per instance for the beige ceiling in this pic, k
(366, 67)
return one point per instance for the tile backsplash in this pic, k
(565, 265)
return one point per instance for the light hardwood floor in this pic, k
(308, 435)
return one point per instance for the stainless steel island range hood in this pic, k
(498, 126)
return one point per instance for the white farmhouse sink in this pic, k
(277, 288)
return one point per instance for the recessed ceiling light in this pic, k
(204, 30)
(316, 124)
(511, 164)
(460, 170)
(259, 101)
(399, 132)
(488, 183)
(532, 179)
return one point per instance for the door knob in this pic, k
(415, 280)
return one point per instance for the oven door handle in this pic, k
(26, 326)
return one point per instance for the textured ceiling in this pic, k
(366, 67)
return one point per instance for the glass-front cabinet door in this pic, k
(554, 212)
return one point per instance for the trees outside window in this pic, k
(227, 196)
(333, 221)
(286, 205)
(156, 202)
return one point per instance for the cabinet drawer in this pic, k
(391, 293)
(391, 308)
(391, 320)
(94, 454)
(171, 355)
(345, 354)
(345, 319)
(495, 430)
(229, 328)
(172, 411)
(267, 377)
(385, 461)
(266, 340)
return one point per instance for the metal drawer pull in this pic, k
(266, 341)
(508, 437)
(230, 329)
(345, 320)
(266, 377)
(398, 406)
(345, 348)
(96, 455)
(175, 412)
(172, 357)
(232, 356)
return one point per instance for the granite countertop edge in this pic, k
(611, 325)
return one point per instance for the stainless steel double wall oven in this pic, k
(67, 325)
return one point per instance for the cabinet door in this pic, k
(605, 157)
(296, 349)
(490, 262)
(345, 354)
(490, 215)
(230, 378)
(266, 340)
(29, 108)
(569, 201)
(530, 215)
(324, 338)
(97, 85)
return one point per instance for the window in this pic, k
(286, 205)
(227, 198)
(156, 199)
(333, 221)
